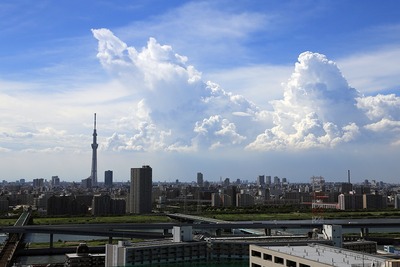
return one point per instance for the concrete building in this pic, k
(55, 181)
(231, 191)
(221, 200)
(350, 201)
(4, 203)
(65, 205)
(38, 182)
(101, 205)
(346, 188)
(200, 181)
(141, 190)
(317, 183)
(178, 250)
(374, 201)
(261, 180)
(244, 200)
(268, 180)
(312, 255)
(108, 178)
(86, 183)
(397, 201)
(82, 258)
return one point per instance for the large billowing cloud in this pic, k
(173, 109)
(318, 108)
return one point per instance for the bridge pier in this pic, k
(218, 232)
(165, 232)
(364, 232)
(51, 241)
(268, 231)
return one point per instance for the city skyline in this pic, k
(278, 88)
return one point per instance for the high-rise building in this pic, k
(55, 181)
(141, 190)
(38, 182)
(232, 191)
(93, 174)
(108, 178)
(200, 180)
(397, 201)
(261, 180)
(346, 188)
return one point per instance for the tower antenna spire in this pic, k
(93, 174)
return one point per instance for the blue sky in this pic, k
(286, 88)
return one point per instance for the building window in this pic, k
(303, 265)
(267, 257)
(255, 265)
(256, 253)
(290, 263)
(278, 260)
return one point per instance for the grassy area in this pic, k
(8, 221)
(90, 219)
(105, 219)
(65, 244)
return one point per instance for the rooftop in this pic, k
(330, 255)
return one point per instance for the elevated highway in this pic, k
(294, 224)
(162, 230)
(124, 229)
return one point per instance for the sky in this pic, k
(232, 89)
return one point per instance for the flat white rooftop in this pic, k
(330, 255)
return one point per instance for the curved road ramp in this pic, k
(13, 240)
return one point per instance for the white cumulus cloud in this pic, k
(171, 100)
(173, 109)
(318, 108)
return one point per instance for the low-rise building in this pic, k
(313, 255)
(82, 258)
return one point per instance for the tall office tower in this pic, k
(108, 178)
(261, 180)
(93, 174)
(200, 180)
(55, 181)
(268, 180)
(141, 190)
(232, 191)
(348, 176)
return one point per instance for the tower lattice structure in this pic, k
(93, 174)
